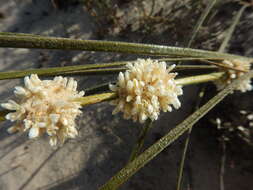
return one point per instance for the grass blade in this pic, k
(23, 41)
(59, 70)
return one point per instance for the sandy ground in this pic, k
(105, 141)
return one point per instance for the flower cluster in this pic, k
(45, 106)
(146, 88)
(230, 75)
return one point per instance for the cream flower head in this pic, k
(146, 88)
(45, 106)
(230, 75)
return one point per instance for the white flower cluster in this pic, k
(45, 106)
(230, 75)
(146, 88)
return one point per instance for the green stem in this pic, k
(195, 67)
(18, 34)
(181, 167)
(93, 99)
(93, 72)
(58, 70)
(189, 59)
(139, 144)
(22, 41)
(84, 69)
(199, 79)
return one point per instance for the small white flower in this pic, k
(146, 88)
(45, 106)
(230, 75)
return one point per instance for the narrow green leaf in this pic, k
(189, 59)
(124, 174)
(41, 42)
(85, 69)
(139, 144)
(89, 68)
